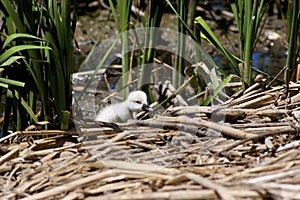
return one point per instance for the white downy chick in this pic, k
(122, 112)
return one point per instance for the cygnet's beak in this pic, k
(146, 108)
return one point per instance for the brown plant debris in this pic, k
(246, 148)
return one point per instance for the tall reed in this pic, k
(248, 16)
(49, 63)
(156, 10)
(58, 32)
(21, 51)
(293, 18)
(123, 23)
(179, 61)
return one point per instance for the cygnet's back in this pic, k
(122, 112)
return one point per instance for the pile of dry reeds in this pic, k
(247, 148)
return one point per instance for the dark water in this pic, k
(268, 63)
(264, 62)
(271, 61)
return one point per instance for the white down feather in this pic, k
(128, 109)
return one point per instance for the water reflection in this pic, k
(267, 62)
(262, 61)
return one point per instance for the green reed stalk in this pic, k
(179, 61)
(293, 30)
(192, 12)
(206, 73)
(49, 71)
(202, 30)
(249, 32)
(124, 7)
(22, 47)
(58, 32)
(154, 20)
(248, 16)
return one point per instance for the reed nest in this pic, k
(252, 152)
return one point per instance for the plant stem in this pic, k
(293, 33)
(151, 36)
(179, 62)
(250, 35)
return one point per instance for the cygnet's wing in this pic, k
(106, 115)
(114, 113)
(122, 112)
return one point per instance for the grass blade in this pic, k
(11, 60)
(8, 53)
(217, 90)
(23, 103)
(11, 37)
(207, 34)
(12, 82)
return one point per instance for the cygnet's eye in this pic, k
(138, 102)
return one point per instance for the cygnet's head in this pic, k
(137, 101)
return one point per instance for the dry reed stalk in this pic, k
(224, 129)
(166, 157)
(10, 155)
(257, 125)
(133, 166)
(221, 110)
(35, 133)
(71, 185)
(171, 195)
(257, 102)
(220, 190)
(253, 95)
(141, 144)
(257, 137)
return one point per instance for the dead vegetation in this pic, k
(248, 148)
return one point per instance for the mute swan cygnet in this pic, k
(121, 112)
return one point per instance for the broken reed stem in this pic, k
(219, 189)
(71, 185)
(258, 137)
(35, 133)
(227, 111)
(185, 125)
